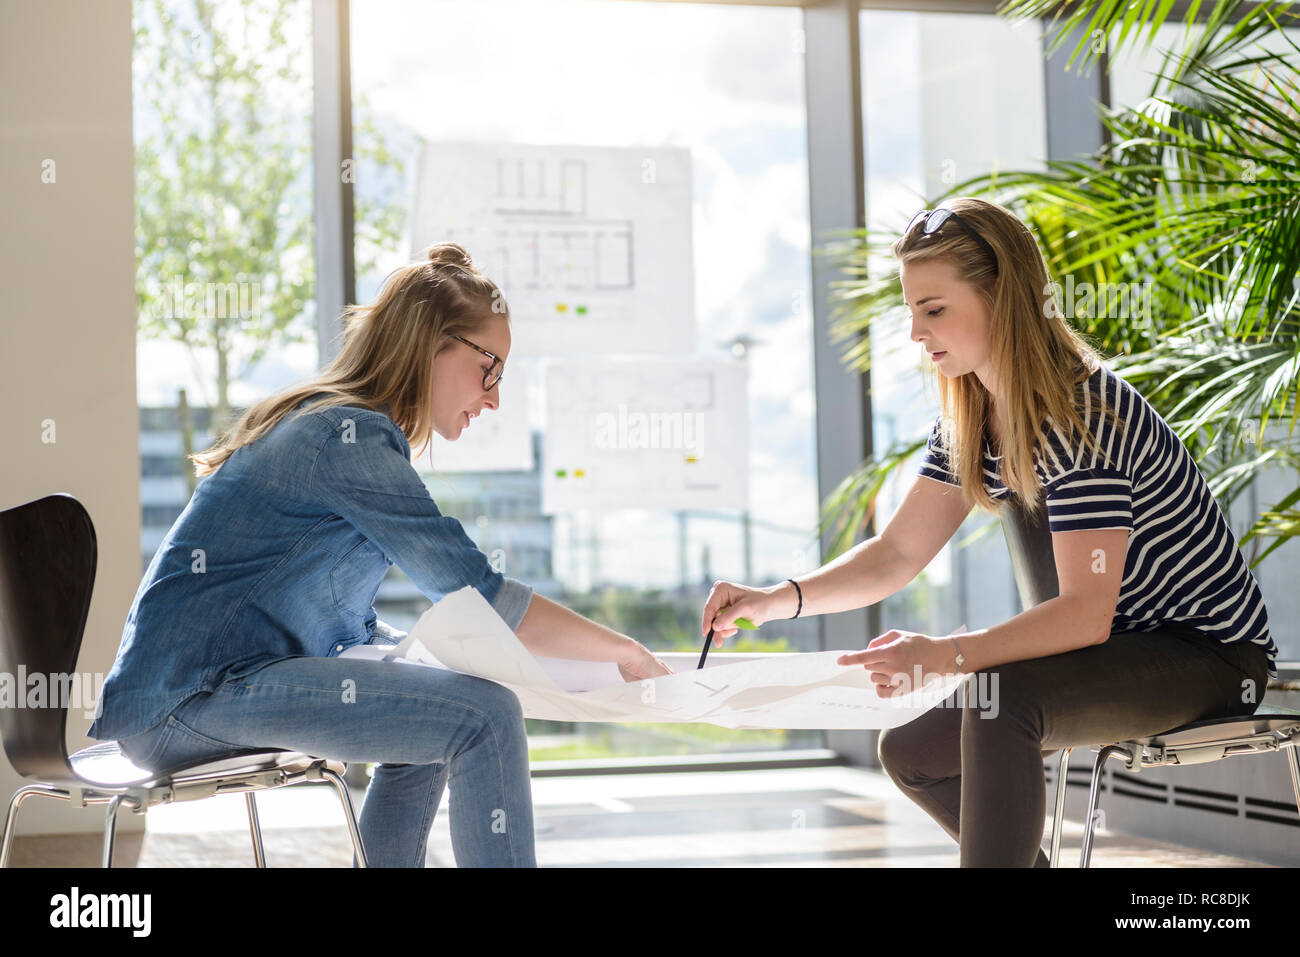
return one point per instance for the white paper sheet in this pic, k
(666, 434)
(463, 633)
(591, 245)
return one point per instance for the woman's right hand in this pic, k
(641, 663)
(729, 601)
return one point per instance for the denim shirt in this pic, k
(279, 554)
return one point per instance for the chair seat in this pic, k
(104, 764)
(1215, 729)
(1210, 740)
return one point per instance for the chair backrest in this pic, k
(47, 573)
(1029, 539)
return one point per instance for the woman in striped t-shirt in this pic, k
(1158, 621)
(1182, 564)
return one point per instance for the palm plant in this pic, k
(1194, 200)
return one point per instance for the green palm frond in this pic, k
(851, 505)
(1193, 201)
(1113, 25)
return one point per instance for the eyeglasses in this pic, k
(493, 374)
(935, 218)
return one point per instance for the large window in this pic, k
(224, 221)
(724, 86)
(945, 97)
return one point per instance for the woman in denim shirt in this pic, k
(270, 572)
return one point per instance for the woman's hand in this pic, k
(729, 601)
(640, 662)
(892, 659)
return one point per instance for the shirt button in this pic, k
(338, 647)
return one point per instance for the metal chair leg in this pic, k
(341, 787)
(110, 828)
(1058, 818)
(15, 802)
(259, 854)
(1093, 790)
(1295, 775)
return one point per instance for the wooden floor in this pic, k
(818, 817)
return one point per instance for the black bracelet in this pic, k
(799, 592)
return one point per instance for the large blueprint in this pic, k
(463, 633)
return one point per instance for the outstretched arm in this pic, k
(552, 631)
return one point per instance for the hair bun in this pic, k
(449, 254)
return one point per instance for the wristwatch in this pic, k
(961, 659)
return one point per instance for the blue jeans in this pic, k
(422, 725)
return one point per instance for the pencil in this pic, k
(705, 653)
(739, 623)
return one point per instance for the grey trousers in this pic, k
(982, 778)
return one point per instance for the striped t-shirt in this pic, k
(1183, 564)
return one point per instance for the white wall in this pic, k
(67, 316)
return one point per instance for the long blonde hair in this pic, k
(387, 353)
(1042, 364)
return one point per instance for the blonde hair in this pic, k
(1041, 363)
(387, 353)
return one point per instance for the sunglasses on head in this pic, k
(934, 220)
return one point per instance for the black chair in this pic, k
(1029, 540)
(47, 572)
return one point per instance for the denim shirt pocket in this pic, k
(355, 578)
